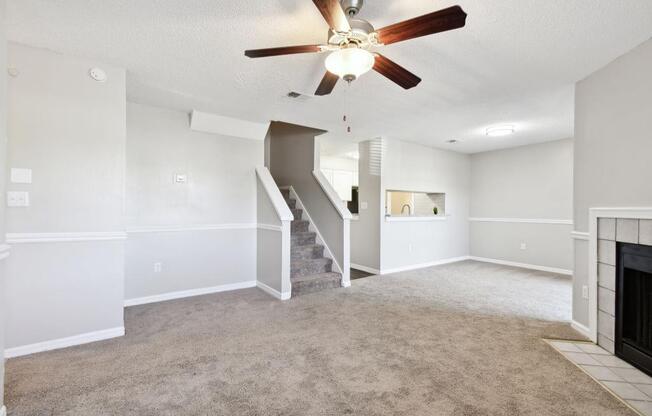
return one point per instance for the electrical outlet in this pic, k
(158, 267)
(523, 246)
(585, 292)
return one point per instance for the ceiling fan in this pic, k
(350, 40)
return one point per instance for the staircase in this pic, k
(310, 270)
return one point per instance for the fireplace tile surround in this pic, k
(610, 231)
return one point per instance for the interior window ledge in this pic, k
(416, 218)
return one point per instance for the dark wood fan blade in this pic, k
(441, 21)
(333, 14)
(284, 50)
(327, 84)
(395, 72)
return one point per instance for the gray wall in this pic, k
(3, 146)
(613, 146)
(529, 182)
(413, 167)
(365, 231)
(220, 193)
(292, 159)
(70, 130)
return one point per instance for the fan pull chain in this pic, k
(346, 107)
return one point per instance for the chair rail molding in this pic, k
(580, 235)
(195, 227)
(20, 238)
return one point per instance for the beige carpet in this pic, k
(462, 339)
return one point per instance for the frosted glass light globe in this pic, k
(350, 63)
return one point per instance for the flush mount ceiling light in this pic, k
(350, 63)
(499, 131)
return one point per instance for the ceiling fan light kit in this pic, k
(350, 63)
(351, 39)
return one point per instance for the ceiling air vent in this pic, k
(297, 96)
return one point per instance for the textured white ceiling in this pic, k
(515, 62)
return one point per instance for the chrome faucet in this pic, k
(408, 207)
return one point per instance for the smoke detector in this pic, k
(97, 74)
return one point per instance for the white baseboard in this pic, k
(582, 329)
(523, 265)
(3, 411)
(423, 265)
(270, 290)
(189, 293)
(56, 344)
(365, 268)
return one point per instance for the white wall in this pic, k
(365, 231)
(612, 149)
(338, 163)
(70, 130)
(214, 213)
(342, 174)
(3, 146)
(529, 182)
(412, 167)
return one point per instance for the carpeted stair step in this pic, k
(298, 213)
(306, 267)
(315, 283)
(292, 203)
(285, 193)
(302, 239)
(300, 226)
(308, 251)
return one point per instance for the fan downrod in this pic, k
(351, 7)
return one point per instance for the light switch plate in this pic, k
(180, 178)
(363, 205)
(17, 199)
(20, 175)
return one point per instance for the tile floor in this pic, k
(627, 383)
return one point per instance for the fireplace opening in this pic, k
(633, 331)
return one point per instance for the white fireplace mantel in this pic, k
(641, 213)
